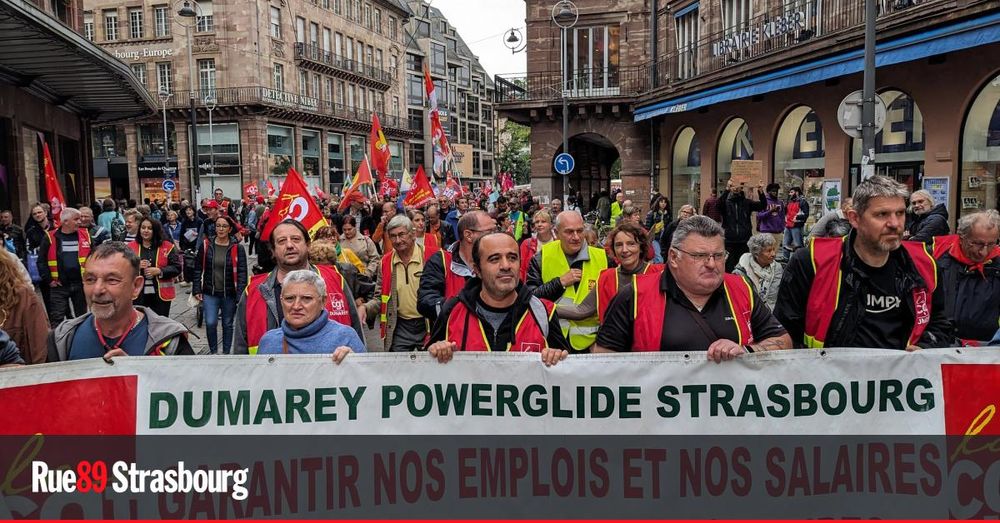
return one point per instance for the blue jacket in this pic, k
(321, 336)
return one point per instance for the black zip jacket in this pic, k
(502, 337)
(736, 210)
(796, 284)
(972, 298)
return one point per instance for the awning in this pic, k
(51, 61)
(954, 37)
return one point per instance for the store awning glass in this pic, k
(51, 61)
(954, 37)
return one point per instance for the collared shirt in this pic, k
(680, 331)
(408, 282)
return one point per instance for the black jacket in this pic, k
(736, 210)
(16, 234)
(430, 295)
(204, 282)
(796, 284)
(499, 339)
(972, 299)
(924, 227)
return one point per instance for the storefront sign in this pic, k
(939, 187)
(788, 23)
(156, 169)
(136, 55)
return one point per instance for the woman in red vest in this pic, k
(429, 241)
(628, 242)
(160, 263)
(220, 278)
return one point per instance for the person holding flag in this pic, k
(295, 218)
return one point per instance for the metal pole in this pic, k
(565, 111)
(166, 143)
(868, 94)
(211, 145)
(194, 121)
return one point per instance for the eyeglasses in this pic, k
(306, 300)
(399, 235)
(702, 257)
(982, 245)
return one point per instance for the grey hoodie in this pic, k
(160, 330)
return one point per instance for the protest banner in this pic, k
(808, 433)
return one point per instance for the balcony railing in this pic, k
(336, 63)
(580, 83)
(792, 24)
(258, 95)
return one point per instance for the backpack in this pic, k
(118, 231)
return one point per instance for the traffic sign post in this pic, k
(851, 117)
(564, 163)
(169, 186)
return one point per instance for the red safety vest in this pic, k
(824, 295)
(607, 286)
(431, 244)
(453, 283)
(648, 326)
(83, 244)
(529, 248)
(528, 336)
(164, 288)
(387, 290)
(336, 304)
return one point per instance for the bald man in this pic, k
(565, 271)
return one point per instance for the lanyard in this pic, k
(100, 336)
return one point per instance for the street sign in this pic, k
(849, 114)
(564, 163)
(169, 185)
(169, 172)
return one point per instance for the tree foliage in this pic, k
(516, 151)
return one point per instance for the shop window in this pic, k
(800, 161)
(335, 157)
(899, 146)
(735, 143)
(686, 170)
(219, 148)
(280, 149)
(980, 175)
(310, 157)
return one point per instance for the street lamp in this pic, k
(189, 12)
(565, 15)
(515, 41)
(210, 103)
(164, 95)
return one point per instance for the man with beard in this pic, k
(258, 310)
(494, 312)
(115, 327)
(869, 288)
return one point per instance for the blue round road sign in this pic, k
(564, 163)
(169, 185)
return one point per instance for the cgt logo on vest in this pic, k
(336, 303)
(923, 312)
(972, 397)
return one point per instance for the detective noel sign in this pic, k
(834, 433)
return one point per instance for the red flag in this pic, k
(431, 90)
(250, 190)
(319, 192)
(270, 189)
(420, 193)
(53, 193)
(295, 202)
(353, 193)
(379, 150)
(452, 189)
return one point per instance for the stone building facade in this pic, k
(465, 94)
(702, 90)
(294, 84)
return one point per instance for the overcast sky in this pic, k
(483, 24)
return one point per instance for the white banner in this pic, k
(839, 391)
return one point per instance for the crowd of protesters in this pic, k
(502, 272)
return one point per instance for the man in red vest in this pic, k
(869, 288)
(495, 312)
(447, 270)
(403, 328)
(259, 311)
(61, 257)
(693, 305)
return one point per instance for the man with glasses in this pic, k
(693, 305)
(447, 270)
(869, 288)
(565, 271)
(403, 327)
(969, 275)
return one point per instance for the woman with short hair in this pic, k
(759, 268)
